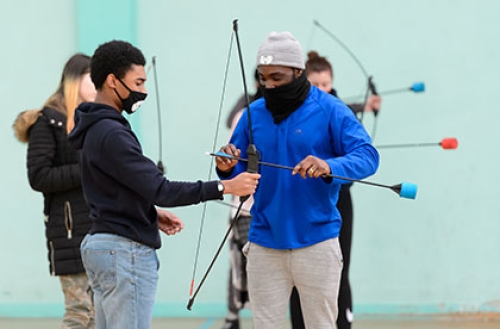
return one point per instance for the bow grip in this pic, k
(252, 164)
(373, 90)
(371, 85)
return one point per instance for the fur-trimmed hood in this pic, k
(24, 121)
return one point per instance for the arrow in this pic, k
(449, 143)
(417, 87)
(404, 190)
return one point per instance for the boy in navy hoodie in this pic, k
(122, 188)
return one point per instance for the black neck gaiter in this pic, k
(284, 100)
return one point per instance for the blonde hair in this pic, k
(67, 96)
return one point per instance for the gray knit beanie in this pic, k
(280, 48)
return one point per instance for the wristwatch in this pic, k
(220, 186)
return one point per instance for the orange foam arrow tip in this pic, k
(449, 143)
(191, 288)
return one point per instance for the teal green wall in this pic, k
(37, 38)
(98, 21)
(436, 254)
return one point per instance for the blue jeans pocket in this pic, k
(101, 268)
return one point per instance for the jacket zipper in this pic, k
(68, 219)
(52, 259)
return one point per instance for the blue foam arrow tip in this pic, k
(408, 190)
(418, 87)
(222, 154)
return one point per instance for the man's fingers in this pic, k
(311, 167)
(224, 163)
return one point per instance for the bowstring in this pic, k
(211, 167)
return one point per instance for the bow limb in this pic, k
(158, 115)
(370, 85)
(253, 156)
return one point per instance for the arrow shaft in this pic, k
(405, 145)
(382, 93)
(394, 91)
(274, 165)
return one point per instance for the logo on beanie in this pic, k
(266, 60)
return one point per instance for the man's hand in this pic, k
(241, 185)
(225, 164)
(168, 222)
(311, 166)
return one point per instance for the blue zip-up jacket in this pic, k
(121, 185)
(291, 212)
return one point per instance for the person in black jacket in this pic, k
(123, 188)
(320, 73)
(53, 169)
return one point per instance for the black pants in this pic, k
(344, 205)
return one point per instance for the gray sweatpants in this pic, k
(314, 270)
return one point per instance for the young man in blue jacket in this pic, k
(293, 238)
(122, 188)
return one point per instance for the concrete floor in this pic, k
(444, 322)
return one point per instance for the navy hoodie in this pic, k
(121, 185)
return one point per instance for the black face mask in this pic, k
(284, 100)
(133, 101)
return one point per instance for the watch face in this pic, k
(220, 186)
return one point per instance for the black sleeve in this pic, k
(356, 107)
(43, 174)
(173, 194)
(126, 163)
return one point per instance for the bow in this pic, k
(370, 85)
(158, 114)
(371, 88)
(417, 87)
(252, 167)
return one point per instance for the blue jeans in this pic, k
(123, 275)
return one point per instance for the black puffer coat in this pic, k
(53, 169)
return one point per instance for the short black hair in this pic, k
(114, 57)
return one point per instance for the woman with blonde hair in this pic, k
(53, 169)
